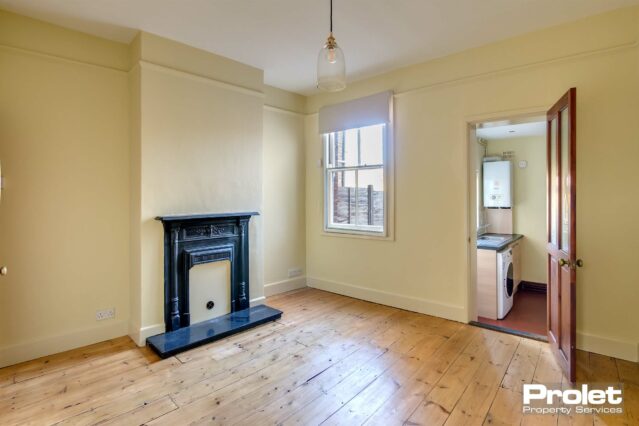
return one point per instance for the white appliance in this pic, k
(505, 282)
(497, 184)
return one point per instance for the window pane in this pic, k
(342, 149)
(370, 197)
(341, 197)
(355, 198)
(351, 151)
(565, 181)
(372, 145)
(554, 185)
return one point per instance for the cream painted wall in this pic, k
(426, 267)
(64, 211)
(125, 133)
(284, 202)
(102, 137)
(180, 101)
(200, 151)
(135, 198)
(529, 209)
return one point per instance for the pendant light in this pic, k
(331, 67)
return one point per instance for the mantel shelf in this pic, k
(204, 216)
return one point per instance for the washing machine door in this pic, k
(510, 280)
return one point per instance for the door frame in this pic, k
(471, 236)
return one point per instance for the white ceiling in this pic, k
(537, 128)
(283, 37)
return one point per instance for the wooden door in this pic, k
(561, 247)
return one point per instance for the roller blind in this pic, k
(362, 112)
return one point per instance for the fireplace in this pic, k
(194, 240)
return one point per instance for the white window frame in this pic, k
(361, 231)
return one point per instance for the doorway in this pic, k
(508, 199)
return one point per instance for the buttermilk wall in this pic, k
(99, 137)
(425, 267)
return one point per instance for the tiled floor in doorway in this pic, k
(528, 313)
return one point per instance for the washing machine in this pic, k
(505, 282)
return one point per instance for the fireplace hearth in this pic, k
(198, 239)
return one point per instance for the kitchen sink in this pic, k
(492, 241)
(494, 238)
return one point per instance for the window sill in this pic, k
(357, 234)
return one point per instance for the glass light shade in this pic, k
(331, 67)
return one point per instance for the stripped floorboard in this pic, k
(330, 360)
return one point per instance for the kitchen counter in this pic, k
(496, 242)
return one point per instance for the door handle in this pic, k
(3, 271)
(574, 265)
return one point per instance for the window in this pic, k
(358, 176)
(355, 180)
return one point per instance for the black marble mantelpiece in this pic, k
(203, 238)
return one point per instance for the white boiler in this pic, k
(497, 184)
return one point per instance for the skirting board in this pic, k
(257, 301)
(283, 286)
(587, 342)
(109, 329)
(532, 286)
(606, 346)
(139, 334)
(409, 303)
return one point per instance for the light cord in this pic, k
(331, 16)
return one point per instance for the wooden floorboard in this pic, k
(330, 360)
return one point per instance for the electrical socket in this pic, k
(294, 272)
(104, 314)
